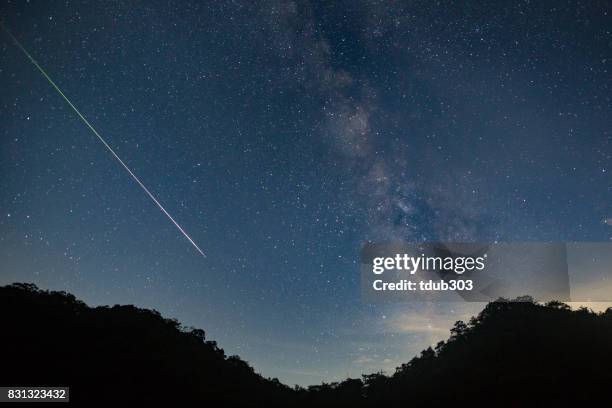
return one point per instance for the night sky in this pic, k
(282, 136)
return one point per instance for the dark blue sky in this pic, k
(281, 136)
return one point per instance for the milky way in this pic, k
(286, 134)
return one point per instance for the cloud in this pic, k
(418, 324)
(429, 319)
(365, 360)
(375, 363)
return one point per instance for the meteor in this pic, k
(95, 132)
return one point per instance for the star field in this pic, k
(282, 135)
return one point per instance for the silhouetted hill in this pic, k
(511, 354)
(119, 353)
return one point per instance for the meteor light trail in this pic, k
(95, 132)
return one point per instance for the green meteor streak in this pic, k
(95, 132)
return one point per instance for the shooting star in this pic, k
(95, 132)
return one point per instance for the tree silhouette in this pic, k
(518, 353)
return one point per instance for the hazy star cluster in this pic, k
(284, 134)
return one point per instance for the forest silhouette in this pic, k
(514, 353)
